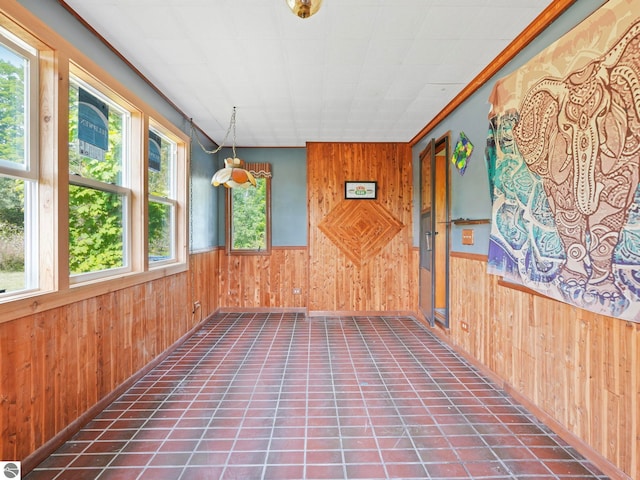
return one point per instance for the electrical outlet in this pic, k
(297, 291)
(464, 326)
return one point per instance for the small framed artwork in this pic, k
(360, 190)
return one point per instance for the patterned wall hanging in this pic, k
(563, 155)
(461, 153)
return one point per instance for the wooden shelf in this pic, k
(470, 221)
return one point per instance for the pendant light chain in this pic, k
(233, 174)
(233, 122)
(232, 125)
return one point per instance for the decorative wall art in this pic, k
(360, 190)
(563, 155)
(461, 153)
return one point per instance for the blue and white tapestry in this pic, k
(563, 156)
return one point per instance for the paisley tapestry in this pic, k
(563, 156)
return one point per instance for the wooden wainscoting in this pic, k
(264, 282)
(203, 280)
(59, 367)
(360, 250)
(579, 369)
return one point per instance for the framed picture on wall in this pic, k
(360, 190)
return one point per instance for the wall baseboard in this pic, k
(361, 313)
(262, 310)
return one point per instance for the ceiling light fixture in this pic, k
(233, 174)
(304, 8)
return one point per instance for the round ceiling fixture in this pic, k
(304, 8)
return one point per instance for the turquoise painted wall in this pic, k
(470, 193)
(203, 201)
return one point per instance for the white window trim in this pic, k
(125, 193)
(123, 189)
(58, 60)
(27, 171)
(173, 204)
(173, 199)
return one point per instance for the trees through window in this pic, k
(162, 196)
(18, 165)
(85, 200)
(249, 214)
(99, 191)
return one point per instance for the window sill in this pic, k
(246, 253)
(37, 302)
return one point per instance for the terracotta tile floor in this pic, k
(282, 396)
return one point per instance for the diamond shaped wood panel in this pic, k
(360, 229)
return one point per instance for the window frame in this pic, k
(123, 189)
(229, 250)
(27, 172)
(57, 60)
(171, 200)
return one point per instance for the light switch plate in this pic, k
(467, 236)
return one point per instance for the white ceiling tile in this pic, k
(359, 70)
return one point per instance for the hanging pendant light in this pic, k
(233, 174)
(304, 8)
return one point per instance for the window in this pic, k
(18, 165)
(114, 217)
(248, 214)
(162, 197)
(99, 191)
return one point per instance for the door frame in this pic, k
(437, 203)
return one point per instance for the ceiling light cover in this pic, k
(304, 8)
(233, 175)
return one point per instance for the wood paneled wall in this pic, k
(580, 369)
(58, 364)
(383, 282)
(204, 277)
(264, 282)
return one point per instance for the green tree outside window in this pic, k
(249, 217)
(96, 217)
(13, 101)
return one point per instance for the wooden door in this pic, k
(434, 232)
(426, 233)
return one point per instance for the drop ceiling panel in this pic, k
(359, 70)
